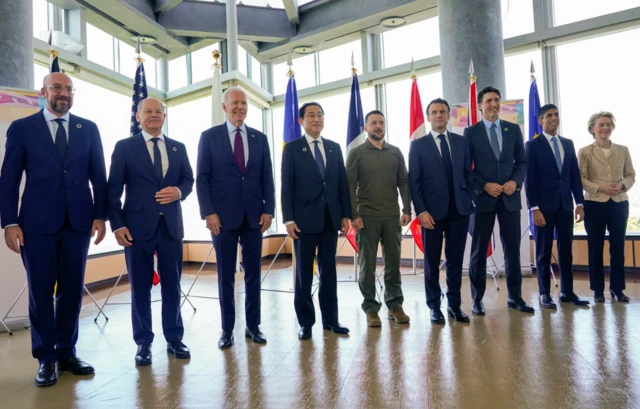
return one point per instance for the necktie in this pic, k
(157, 159)
(238, 150)
(446, 161)
(318, 157)
(556, 151)
(494, 141)
(61, 138)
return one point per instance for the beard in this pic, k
(56, 106)
(377, 137)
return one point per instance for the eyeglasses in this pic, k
(57, 88)
(314, 116)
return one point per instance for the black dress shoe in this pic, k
(226, 340)
(76, 366)
(143, 356)
(572, 298)
(46, 375)
(458, 314)
(255, 334)
(598, 296)
(178, 349)
(620, 295)
(520, 305)
(437, 317)
(304, 333)
(547, 302)
(477, 307)
(336, 328)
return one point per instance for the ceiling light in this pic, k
(393, 21)
(303, 49)
(144, 39)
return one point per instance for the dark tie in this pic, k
(157, 159)
(238, 150)
(318, 157)
(446, 161)
(61, 137)
(556, 152)
(495, 145)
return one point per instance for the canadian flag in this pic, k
(156, 277)
(417, 130)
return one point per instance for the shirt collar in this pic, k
(147, 137)
(546, 135)
(371, 146)
(488, 123)
(310, 139)
(436, 134)
(232, 129)
(48, 116)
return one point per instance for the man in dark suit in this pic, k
(500, 164)
(60, 154)
(237, 199)
(441, 189)
(156, 174)
(552, 184)
(315, 205)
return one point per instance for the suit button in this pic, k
(322, 198)
(65, 171)
(64, 191)
(324, 183)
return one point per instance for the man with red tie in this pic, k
(237, 199)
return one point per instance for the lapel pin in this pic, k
(175, 149)
(506, 129)
(253, 136)
(79, 126)
(304, 149)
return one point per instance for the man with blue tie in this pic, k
(315, 205)
(441, 189)
(237, 199)
(552, 184)
(500, 164)
(61, 155)
(156, 174)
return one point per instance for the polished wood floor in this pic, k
(569, 358)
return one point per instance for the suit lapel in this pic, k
(173, 156)
(306, 153)
(434, 148)
(227, 148)
(506, 138)
(44, 132)
(548, 151)
(140, 149)
(331, 158)
(567, 157)
(254, 155)
(485, 140)
(75, 138)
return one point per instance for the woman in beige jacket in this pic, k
(607, 174)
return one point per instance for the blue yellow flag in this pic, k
(291, 126)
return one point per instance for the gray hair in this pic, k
(602, 114)
(140, 103)
(230, 90)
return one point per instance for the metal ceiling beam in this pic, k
(291, 7)
(166, 5)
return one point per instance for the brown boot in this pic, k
(373, 320)
(398, 315)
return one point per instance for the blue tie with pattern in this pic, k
(556, 152)
(61, 138)
(157, 159)
(318, 156)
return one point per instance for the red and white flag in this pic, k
(417, 130)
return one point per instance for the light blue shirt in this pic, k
(53, 125)
(245, 142)
(487, 125)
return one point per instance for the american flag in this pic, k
(139, 93)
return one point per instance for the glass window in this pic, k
(397, 42)
(39, 72)
(202, 63)
(99, 47)
(276, 4)
(242, 61)
(40, 20)
(304, 69)
(517, 17)
(150, 70)
(570, 11)
(335, 63)
(518, 79)
(178, 73)
(256, 71)
(128, 63)
(278, 143)
(580, 64)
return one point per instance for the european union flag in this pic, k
(291, 126)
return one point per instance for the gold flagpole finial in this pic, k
(216, 57)
(138, 59)
(290, 73)
(533, 72)
(472, 78)
(354, 70)
(412, 70)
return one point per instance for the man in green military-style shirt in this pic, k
(376, 171)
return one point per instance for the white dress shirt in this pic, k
(437, 141)
(245, 142)
(53, 125)
(162, 146)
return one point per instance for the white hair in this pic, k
(230, 90)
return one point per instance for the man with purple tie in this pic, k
(236, 194)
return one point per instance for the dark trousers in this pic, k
(140, 262)
(598, 218)
(562, 222)
(305, 251)
(510, 236)
(454, 227)
(226, 245)
(49, 258)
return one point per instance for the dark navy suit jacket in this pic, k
(545, 186)
(512, 164)
(223, 189)
(305, 193)
(428, 182)
(55, 187)
(132, 168)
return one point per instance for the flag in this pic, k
(53, 55)
(417, 129)
(291, 126)
(535, 129)
(473, 119)
(217, 114)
